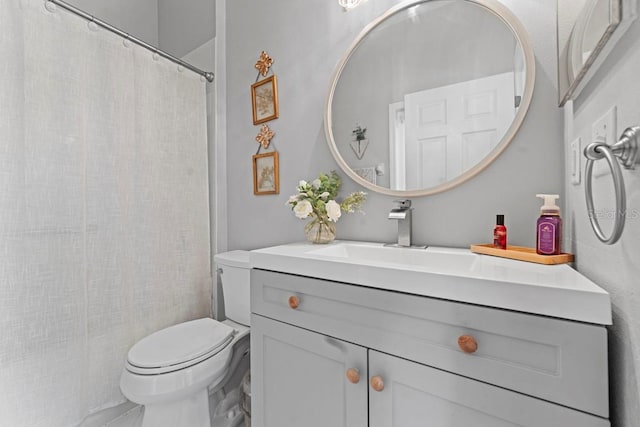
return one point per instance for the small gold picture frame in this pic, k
(266, 173)
(264, 99)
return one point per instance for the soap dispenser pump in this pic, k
(549, 227)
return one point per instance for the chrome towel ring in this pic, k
(626, 150)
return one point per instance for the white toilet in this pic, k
(171, 371)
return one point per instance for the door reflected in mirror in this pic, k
(439, 133)
(441, 86)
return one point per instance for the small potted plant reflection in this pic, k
(359, 145)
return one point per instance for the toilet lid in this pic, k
(180, 343)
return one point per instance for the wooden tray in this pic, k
(522, 254)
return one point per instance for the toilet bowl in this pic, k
(171, 371)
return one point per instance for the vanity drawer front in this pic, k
(557, 360)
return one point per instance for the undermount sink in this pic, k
(448, 273)
(432, 258)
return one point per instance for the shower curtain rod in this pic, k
(206, 74)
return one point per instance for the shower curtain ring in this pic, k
(127, 40)
(50, 6)
(92, 24)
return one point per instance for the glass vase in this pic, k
(320, 231)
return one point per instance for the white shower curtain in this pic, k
(104, 218)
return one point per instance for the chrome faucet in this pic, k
(402, 214)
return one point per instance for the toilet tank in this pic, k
(234, 271)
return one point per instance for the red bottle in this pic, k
(500, 233)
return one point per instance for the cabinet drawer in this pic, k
(556, 360)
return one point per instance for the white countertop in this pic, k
(448, 273)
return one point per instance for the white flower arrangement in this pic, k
(317, 200)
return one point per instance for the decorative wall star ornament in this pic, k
(264, 136)
(264, 63)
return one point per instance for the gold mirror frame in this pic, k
(521, 36)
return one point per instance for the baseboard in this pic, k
(108, 415)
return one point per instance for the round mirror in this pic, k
(428, 95)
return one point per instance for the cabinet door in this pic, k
(415, 395)
(299, 378)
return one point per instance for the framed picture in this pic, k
(265, 173)
(264, 99)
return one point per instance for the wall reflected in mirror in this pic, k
(593, 28)
(587, 32)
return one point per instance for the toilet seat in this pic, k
(178, 347)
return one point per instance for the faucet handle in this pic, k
(402, 210)
(403, 203)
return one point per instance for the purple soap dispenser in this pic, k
(549, 227)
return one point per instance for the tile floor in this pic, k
(132, 418)
(224, 413)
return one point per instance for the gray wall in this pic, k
(140, 17)
(184, 25)
(173, 26)
(616, 267)
(306, 39)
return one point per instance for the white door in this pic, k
(298, 378)
(451, 128)
(416, 395)
(397, 156)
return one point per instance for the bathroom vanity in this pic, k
(357, 334)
